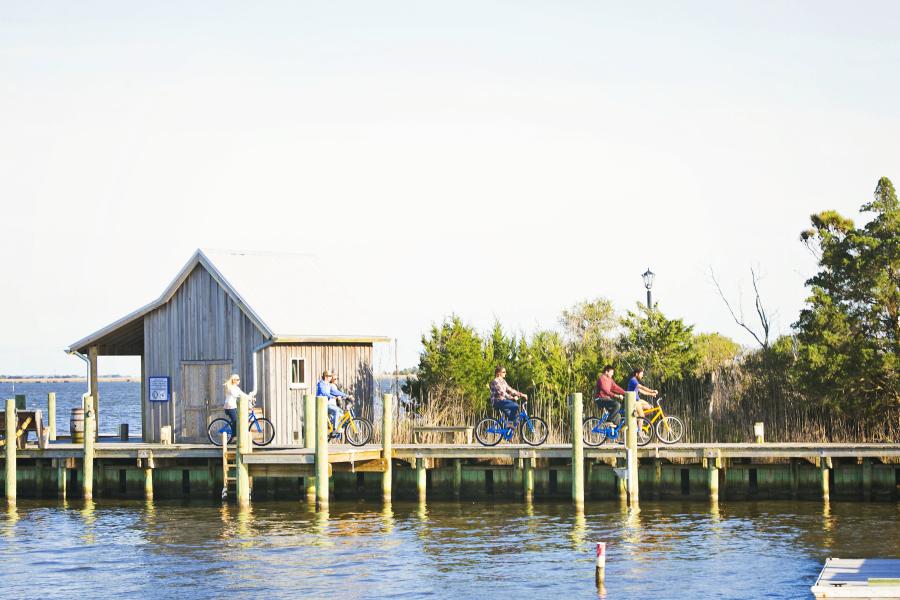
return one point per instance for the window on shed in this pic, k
(298, 373)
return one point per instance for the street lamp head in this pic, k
(648, 278)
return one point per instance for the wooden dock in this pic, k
(859, 579)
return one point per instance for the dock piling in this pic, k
(421, 478)
(321, 427)
(88, 467)
(714, 462)
(51, 415)
(11, 450)
(824, 469)
(148, 477)
(867, 479)
(309, 441)
(242, 472)
(528, 479)
(600, 568)
(575, 401)
(759, 432)
(387, 445)
(62, 476)
(631, 457)
(457, 477)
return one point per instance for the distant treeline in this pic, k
(836, 377)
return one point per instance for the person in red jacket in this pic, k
(608, 395)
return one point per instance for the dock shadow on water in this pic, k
(440, 549)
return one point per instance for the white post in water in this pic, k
(600, 569)
(11, 450)
(631, 457)
(387, 444)
(322, 453)
(242, 472)
(51, 415)
(577, 452)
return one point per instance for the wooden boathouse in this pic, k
(277, 320)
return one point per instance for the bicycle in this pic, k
(668, 429)
(532, 430)
(595, 430)
(356, 430)
(260, 425)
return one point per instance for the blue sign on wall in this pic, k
(160, 390)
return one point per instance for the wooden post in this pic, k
(759, 432)
(148, 477)
(795, 477)
(242, 472)
(457, 477)
(95, 388)
(387, 445)
(575, 402)
(621, 482)
(321, 453)
(631, 456)
(867, 478)
(309, 441)
(528, 479)
(713, 464)
(51, 415)
(657, 478)
(62, 476)
(11, 422)
(421, 478)
(600, 567)
(88, 466)
(824, 467)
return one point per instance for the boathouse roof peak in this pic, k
(289, 297)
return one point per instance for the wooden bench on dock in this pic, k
(419, 429)
(26, 420)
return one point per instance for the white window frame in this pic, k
(304, 385)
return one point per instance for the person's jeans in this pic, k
(613, 406)
(507, 407)
(333, 412)
(231, 413)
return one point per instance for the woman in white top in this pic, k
(233, 391)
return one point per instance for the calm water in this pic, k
(120, 402)
(461, 550)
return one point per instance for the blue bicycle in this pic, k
(595, 430)
(532, 430)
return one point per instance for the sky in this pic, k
(496, 160)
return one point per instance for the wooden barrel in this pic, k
(76, 426)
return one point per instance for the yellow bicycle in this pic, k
(668, 429)
(356, 430)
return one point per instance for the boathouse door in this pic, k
(202, 397)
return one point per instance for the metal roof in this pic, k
(291, 298)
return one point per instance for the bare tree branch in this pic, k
(763, 338)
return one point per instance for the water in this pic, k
(444, 549)
(120, 402)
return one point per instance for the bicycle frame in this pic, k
(612, 431)
(508, 432)
(346, 417)
(657, 414)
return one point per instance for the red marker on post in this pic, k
(601, 562)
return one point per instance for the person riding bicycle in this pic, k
(502, 395)
(326, 388)
(232, 393)
(608, 395)
(635, 385)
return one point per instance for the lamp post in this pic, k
(648, 283)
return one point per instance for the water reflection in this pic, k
(579, 527)
(89, 519)
(12, 517)
(387, 518)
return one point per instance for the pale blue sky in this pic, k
(560, 148)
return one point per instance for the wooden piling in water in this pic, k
(387, 444)
(714, 462)
(51, 415)
(575, 401)
(309, 441)
(528, 479)
(148, 477)
(89, 439)
(631, 456)
(321, 453)
(824, 469)
(11, 450)
(242, 472)
(421, 478)
(457, 477)
(621, 480)
(657, 478)
(62, 476)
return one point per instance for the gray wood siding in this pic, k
(284, 406)
(201, 322)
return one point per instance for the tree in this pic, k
(714, 351)
(663, 347)
(849, 331)
(452, 363)
(588, 329)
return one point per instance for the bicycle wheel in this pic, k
(669, 430)
(533, 431)
(644, 431)
(488, 432)
(216, 429)
(593, 431)
(264, 430)
(358, 431)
